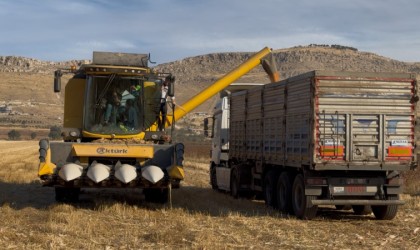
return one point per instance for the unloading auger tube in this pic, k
(263, 57)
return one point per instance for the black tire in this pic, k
(343, 207)
(234, 184)
(361, 209)
(213, 179)
(270, 189)
(63, 194)
(302, 205)
(387, 212)
(284, 193)
(156, 195)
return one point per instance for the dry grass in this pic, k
(200, 218)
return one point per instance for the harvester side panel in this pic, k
(73, 103)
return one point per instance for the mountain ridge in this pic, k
(26, 84)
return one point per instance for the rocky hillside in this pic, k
(204, 69)
(20, 64)
(26, 84)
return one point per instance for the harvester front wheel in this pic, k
(63, 194)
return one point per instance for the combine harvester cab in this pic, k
(114, 134)
(111, 135)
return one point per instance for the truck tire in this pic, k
(234, 184)
(213, 178)
(284, 193)
(270, 189)
(302, 205)
(387, 212)
(156, 195)
(361, 209)
(64, 194)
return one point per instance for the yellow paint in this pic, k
(106, 150)
(219, 85)
(73, 103)
(94, 135)
(177, 172)
(47, 167)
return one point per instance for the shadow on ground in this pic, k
(192, 199)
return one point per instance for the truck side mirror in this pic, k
(208, 127)
(171, 87)
(57, 81)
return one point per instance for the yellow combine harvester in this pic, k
(114, 133)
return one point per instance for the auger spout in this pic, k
(219, 85)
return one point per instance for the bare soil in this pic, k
(200, 218)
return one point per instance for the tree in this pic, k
(55, 132)
(13, 135)
(33, 135)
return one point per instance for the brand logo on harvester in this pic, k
(103, 150)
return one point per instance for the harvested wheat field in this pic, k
(200, 217)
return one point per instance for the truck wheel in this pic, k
(270, 192)
(361, 209)
(156, 195)
(284, 193)
(387, 212)
(63, 194)
(302, 205)
(213, 178)
(234, 184)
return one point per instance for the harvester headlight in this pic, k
(73, 133)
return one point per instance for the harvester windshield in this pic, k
(120, 105)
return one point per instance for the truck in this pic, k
(319, 138)
(114, 133)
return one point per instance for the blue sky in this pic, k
(58, 30)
